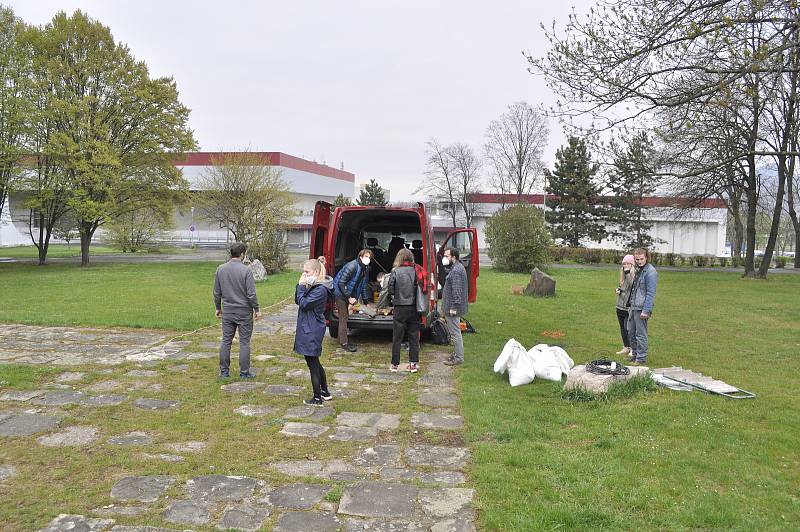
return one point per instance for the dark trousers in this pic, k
(341, 308)
(622, 317)
(231, 322)
(318, 381)
(406, 321)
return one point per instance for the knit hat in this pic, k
(628, 259)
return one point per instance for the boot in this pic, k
(624, 351)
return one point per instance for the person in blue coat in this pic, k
(313, 291)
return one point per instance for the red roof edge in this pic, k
(652, 201)
(275, 158)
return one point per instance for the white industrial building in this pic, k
(696, 231)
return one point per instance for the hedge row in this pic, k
(614, 256)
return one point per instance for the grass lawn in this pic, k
(658, 460)
(173, 296)
(57, 251)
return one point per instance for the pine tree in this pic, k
(632, 179)
(574, 214)
(372, 194)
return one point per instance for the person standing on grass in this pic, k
(626, 276)
(348, 287)
(454, 302)
(641, 301)
(236, 302)
(403, 282)
(311, 294)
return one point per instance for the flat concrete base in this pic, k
(580, 378)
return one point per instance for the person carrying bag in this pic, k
(408, 290)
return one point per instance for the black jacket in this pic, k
(403, 285)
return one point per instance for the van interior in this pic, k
(382, 232)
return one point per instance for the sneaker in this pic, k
(624, 351)
(247, 375)
(350, 348)
(326, 395)
(224, 375)
(393, 368)
(314, 401)
(631, 358)
(452, 362)
(412, 368)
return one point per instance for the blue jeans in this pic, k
(637, 335)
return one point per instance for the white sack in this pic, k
(512, 347)
(520, 369)
(550, 362)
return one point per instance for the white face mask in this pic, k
(365, 261)
(310, 279)
(445, 261)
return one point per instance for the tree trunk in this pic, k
(774, 227)
(86, 230)
(750, 231)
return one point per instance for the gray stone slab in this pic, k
(342, 392)
(297, 373)
(369, 419)
(154, 404)
(142, 373)
(298, 496)
(77, 523)
(438, 457)
(141, 489)
(70, 437)
(309, 412)
(350, 377)
(255, 411)
(187, 513)
(378, 456)
(243, 517)
(174, 458)
(177, 368)
(105, 400)
(136, 528)
(442, 478)
(27, 424)
(131, 438)
(440, 400)
(59, 397)
(283, 389)
(305, 430)
(579, 377)
(337, 470)
(307, 522)
(7, 471)
(21, 395)
(424, 420)
(389, 378)
(436, 380)
(71, 376)
(187, 446)
(445, 502)
(243, 387)
(378, 499)
(221, 487)
(353, 524)
(353, 433)
(459, 524)
(104, 386)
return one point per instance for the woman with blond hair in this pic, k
(623, 290)
(313, 291)
(403, 282)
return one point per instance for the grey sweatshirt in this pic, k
(235, 289)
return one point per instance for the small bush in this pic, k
(723, 262)
(138, 230)
(271, 250)
(669, 259)
(780, 262)
(700, 261)
(518, 239)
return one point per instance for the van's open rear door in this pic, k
(319, 231)
(466, 242)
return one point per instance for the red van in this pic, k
(340, 233)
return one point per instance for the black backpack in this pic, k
(439, 333)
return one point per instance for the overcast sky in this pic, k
(364, 83)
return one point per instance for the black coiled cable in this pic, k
(604, 367)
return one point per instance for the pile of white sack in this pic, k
(544, 361)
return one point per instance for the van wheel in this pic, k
(333, 330)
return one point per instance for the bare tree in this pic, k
(246, 195)
(467, 167)
(514, 146)
(440, 187)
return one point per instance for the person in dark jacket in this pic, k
(236, 303)
(311, 294)
(348, 287)
(454, 302)
(403, 282)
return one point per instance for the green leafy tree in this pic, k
(116, 129)
(632, 178)
(518, 238)
(574, 213)
(372, 194)
(342, 201)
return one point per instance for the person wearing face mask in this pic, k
(454, 302)
(348, 287)
(406, 276)
(311, 294)
(623, 291)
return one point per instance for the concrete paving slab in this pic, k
(186, 446)
(307, 522)
(78, 523)
(353, 433)
(135, 437)
(309, 412)
(376, 420)
(378, 499)
(445, 502)
(221, 487)
(424, 420)
(304, 430)
(378, 456)
(243, 517)
(438, 457)
(27, 424)
(141, 489)
(71, 437)
(187, 513)
(21, 395)
(255, 411)
(243, 387)
(283, 389)
(155, 404)
(298, 496)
